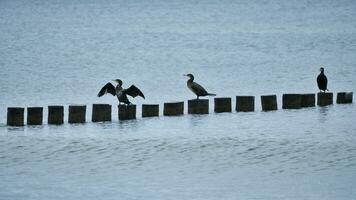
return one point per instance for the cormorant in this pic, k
(196, 88)
(322, 81)
(120, 92)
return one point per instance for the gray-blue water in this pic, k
(62, 52)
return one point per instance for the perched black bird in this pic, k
(196, 88)
(120, 92)
(322, 81)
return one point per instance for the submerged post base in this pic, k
(325, 98)
(198, 106)
(101, 113)
(127, 112)
(76, 113)
(173, 108)
(34, 116)
(15, 116)
(150, 110)
(269, 102)
(291, 101)
(344, 97)
(308, 100)
(222, 104)
(55, 115)
(245, 103)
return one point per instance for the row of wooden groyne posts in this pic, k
(102, 112)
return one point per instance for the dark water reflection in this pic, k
(323, 113)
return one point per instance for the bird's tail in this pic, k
(210, 94)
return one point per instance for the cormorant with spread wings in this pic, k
(120, 92)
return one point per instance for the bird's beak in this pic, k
(185, 75)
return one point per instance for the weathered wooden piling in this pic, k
(127, 112)
(308, 100)
(291, 101)
(269, 102)
(325, 98)
(344, 97)
(173, 108)
(198, 106)
(222, 104)
(34, 115)
(101, 113)
(77, 114)
(15, 116)
(245, 103)
(150, 110)
(55, 115)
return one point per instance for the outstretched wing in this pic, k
(134, 91)
(108, 88)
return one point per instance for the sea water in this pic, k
(63, 52)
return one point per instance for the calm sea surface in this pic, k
(62, 52)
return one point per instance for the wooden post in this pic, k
(291, 101)
(198, 106)
(245, 103)
(150, 110)
(127, 112)
(55, 114)
(173, 108)
(325, 98)
(101, 113)
(77, 113)
(34, 115)
(269, 102)
(308, 100)
(222, 104)
(15, 116)
(344, 97)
